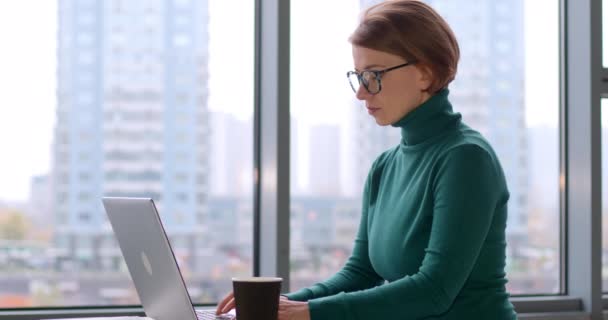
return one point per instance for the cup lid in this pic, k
(257, 279)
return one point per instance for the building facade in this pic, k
(131, 121)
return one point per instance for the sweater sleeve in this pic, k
(357, 273)
(466, 193)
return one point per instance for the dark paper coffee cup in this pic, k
(257, 298)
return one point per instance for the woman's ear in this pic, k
(425, 77)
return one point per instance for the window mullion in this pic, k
(583, 152)
(271, 235)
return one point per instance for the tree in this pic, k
(13, 226)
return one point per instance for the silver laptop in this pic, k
(149, 257)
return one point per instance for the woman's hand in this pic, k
(226, 305)
(293, 310)
(288, 310)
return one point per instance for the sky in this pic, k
(319, 54)
(27, 99)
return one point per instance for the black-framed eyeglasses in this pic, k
(371, 79)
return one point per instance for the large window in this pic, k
(156, 98)
(123, 98)
(506, 88)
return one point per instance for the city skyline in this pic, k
(33, 160)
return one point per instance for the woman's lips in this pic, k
(372, 110)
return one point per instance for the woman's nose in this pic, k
(362, 93)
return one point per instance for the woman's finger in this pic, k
(229, 306)
(224, 302)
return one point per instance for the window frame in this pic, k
(581, 26)
(583, 82)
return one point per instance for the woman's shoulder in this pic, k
(379, 164)
(466, 140)
(384, 158)
(469, 149)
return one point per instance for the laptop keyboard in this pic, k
(210, 315)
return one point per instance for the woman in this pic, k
(431, 242)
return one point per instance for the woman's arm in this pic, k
(465, 198)
(357, 273)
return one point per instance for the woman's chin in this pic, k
(382, 122)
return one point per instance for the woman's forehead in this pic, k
(365, 58)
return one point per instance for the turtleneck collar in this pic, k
(428, 120)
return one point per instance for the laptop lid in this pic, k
(149, 257)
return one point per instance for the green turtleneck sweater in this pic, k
(431, 241)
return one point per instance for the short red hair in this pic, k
(413, 30)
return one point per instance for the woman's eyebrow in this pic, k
(371, 66)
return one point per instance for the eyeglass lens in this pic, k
(368, 79)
